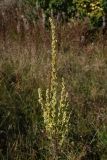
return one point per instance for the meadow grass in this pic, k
(26, 67)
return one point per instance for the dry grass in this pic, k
(25, 66)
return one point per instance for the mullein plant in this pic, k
(55, 104)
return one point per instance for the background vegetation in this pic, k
(95, 10)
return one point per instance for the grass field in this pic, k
(25, 66)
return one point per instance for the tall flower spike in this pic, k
(56, 118)
(54, 54)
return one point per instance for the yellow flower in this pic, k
(55, 114)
